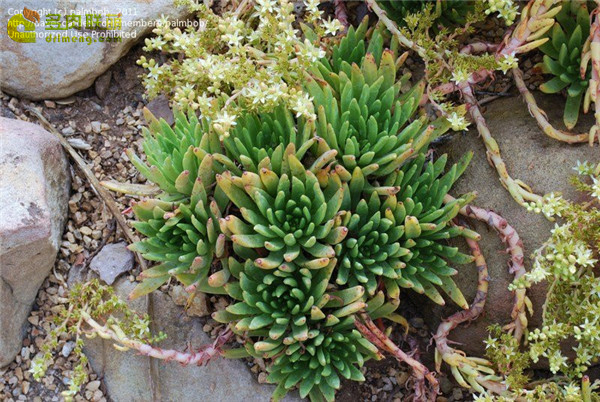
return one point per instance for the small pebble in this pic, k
(68, 131)
(67, 348)
(96, 127)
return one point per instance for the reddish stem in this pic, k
(421, 375)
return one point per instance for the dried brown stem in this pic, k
(591, 51)
(516, 265)
(426, 386)
(476, 307)
(391, 26)
(470, 372)
(479, 47)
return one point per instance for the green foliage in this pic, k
(427, 225)
(285, 211)
(304, 215)
(309, 213)
(562, 57)
(361, 111)
(266, 135)
(399, 238)
(503, 350)
(306, 329)
(184, 238)
(176, 157)
(445, 12)
(568, 262)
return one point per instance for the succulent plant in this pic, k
(352, 49)
(394, 238)
(427, 226)
(285, 211)
(369, 125)
(177, 156)
(446, 12)
(307, 330)
(361, 111)
(562, 57)
(271, 213)
(185, 239)
(317, 366)
(373, 248)
(256, 137)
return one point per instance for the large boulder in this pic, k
(128, 376)
(538, 160)
(50, 70)
(34, 191)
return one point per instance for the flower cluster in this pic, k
(506, 9)
(247, 59)
(567, 261)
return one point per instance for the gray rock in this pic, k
(538, 160)
(127, 375)
(160, 108)
(53, 70)
(102, 84)
(197, 307)
(80, 273)
(34, 191)
(113, 260)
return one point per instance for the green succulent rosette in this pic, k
(362, 113)
(562, 58)
(178, 156)
(256, 137)
(288, 214)
(303, 327)
(185, 239)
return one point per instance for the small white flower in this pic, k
(584, 168)
(311, 52)
(332, 26)
(265, 6)
(508, 63)
(596, 187)
(457, 122)
(459, 76)
(312, 6)
(233, 39)
(223, 123)
(304, 107)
